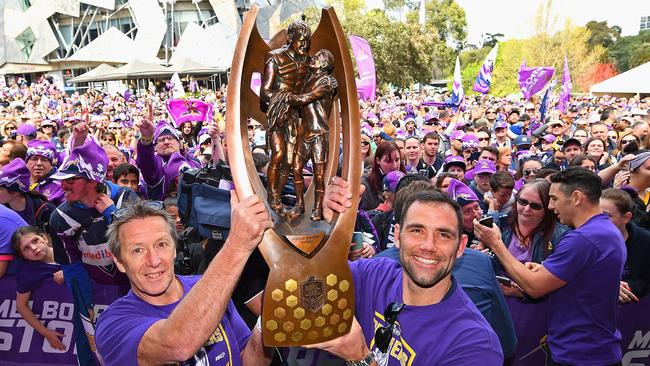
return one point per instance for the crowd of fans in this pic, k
(69, 163)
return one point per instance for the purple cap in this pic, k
(460, 193)
(454, 160)
(431, 116)
(43, 148)
(501, 124)
(549, 138)
(87, 161)
(456, 135)
(26, 130)
(15, 176)
(409, 118)
(391, 179)
(470, 141)
(366, 129)
(485, 166)
(401, 134)
(164, 128)
(523, 140)
(371, 116)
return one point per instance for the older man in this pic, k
(166, 318)
(41, 161)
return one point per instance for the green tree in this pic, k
(631, 51)
(602, 34)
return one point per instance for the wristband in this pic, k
(366, 361)
(145, 140)
(258, 325)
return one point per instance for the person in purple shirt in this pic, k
(581, 276)
(160, 158)
(166, 318)
(42, 160)
(421, 310)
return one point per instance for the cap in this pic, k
(15, 176)
(385, 136)
(203, 138)
(26, 130)
(391, 179)
(460, 193)
(501, 124)
(485, 166)
(469, 141)
(571, 141)
(456, 135)
(43, 148)
(639, 160)
(523, 140)
(87, 161)
(47, 122)
(454, 160)
(549, 138)
(164, 128)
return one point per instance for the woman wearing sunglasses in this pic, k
(531, 230)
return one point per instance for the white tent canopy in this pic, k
(189, 66)
(137, 69)
(634, 81)
(93, 74)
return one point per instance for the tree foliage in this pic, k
(631, 51)
(602, 34)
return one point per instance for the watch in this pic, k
(366, 361)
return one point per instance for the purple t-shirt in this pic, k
(522, 254)
(451, 332)
(582, 316)
(32, 274)
(121, 327)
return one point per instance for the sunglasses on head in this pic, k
(383, 335)
(530, 171)
(534, 205)
(156, 205)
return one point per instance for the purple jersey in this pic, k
(582, 315)
(51, 189)
(121, 327)
(32, 274)
(451, 332)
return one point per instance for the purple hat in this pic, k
(43, 148)
(519, 184)
(175, 166)
(409, 118)
(371, 116)
(391, 179)
(87, 161)
(164, 128)
(457, 135)
(460, 193)
(454, 160)
(469, 141)
(366, 129)
(433, 116)
(501, 124)
(485, 166)
(549, 138)
(15, 176)
(401, 134)
(47, 122)
(26, 130)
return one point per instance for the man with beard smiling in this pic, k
(423, 315)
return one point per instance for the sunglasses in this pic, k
(556, 125)
(11, 128)
(484, 139)
(365, 143)
(530, 171)
(490, 112)
(71, 179)
(625, 142)
(120, 213)
(383, 335)
(524, 202)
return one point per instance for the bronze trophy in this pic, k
(307, 101)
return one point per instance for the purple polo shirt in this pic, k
(583, 315)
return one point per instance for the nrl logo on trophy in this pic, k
(308, 105)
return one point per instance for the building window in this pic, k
(26, 41)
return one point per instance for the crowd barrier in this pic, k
(52, 303)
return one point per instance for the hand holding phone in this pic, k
(486, 221)
(504, 281)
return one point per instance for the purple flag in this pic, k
(533, 79)
(127, 96)
(565, 95)
(367, 82)
(484, 77)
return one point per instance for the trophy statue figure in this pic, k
(307, 102)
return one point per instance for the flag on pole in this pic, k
(484, 77)
(565, 95)
(544, 106)
(533, 79)
(422, 12)
(367, 82)
(177, 89)
(457, 93)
